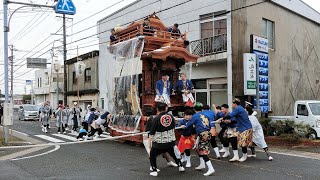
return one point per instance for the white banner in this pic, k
(250, 74)
(79, 68)
(8, 114)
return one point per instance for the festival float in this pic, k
(136, 61)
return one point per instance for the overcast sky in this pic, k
(29, 27)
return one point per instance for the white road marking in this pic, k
(20, 133)
(65, 137)
(104, 136)
(74, 134)
(21, 153)
(48, 138)
(17, 131)
(57, 147)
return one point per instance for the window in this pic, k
(199, 83)
(48, 80)
(315, 108)
(54, 79)
(218, 86)
(268, 31)
(220, 27)
(39, 82)
(302, 110)
(87, 74)
(102, 103)
(74, 78)
(206, 25)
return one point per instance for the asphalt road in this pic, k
(114, 160)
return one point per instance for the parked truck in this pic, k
(307, 112)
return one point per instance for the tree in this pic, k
(26, 98)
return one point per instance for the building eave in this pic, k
(84, 57)
(305, 16)
(82, 92)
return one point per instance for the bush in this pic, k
(285, 127)
(290, 138)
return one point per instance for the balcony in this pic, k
(209, 46)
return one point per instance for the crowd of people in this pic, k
(69, 119)
(239, 127)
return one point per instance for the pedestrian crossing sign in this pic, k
(65, 7)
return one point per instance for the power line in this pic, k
(158, 12)
(32, 28)
(28, 23)
(128, 22)
(24, 31)
(137, 9)
(81, 39)
(76, 23)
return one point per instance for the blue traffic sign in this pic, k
(65, 7)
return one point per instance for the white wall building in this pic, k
(219, 32)
(208, 71)
(45, 86)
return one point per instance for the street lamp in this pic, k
(56, 67)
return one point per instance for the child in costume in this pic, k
(186, 141)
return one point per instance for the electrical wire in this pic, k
(158, 12)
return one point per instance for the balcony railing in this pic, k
(209, 46)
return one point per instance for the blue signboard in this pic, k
(65, 7)
(263, 84)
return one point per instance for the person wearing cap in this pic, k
(244, 127)
(96, 124)
(204, 129)
(211, 115)
(175, 31)
(184, 87)
(163, 90)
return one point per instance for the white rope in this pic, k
(77, 142)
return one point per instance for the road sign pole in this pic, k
(64, 61)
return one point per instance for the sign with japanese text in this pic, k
(250, 73)
(259, 47)
(259, 44)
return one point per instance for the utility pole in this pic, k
(6, 61)
(6, 25)
(64, 61)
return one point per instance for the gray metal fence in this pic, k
(208, 46)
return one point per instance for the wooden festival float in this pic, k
(161, 52)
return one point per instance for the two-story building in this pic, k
(45, 86)
(85, 87)
(219, 31)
